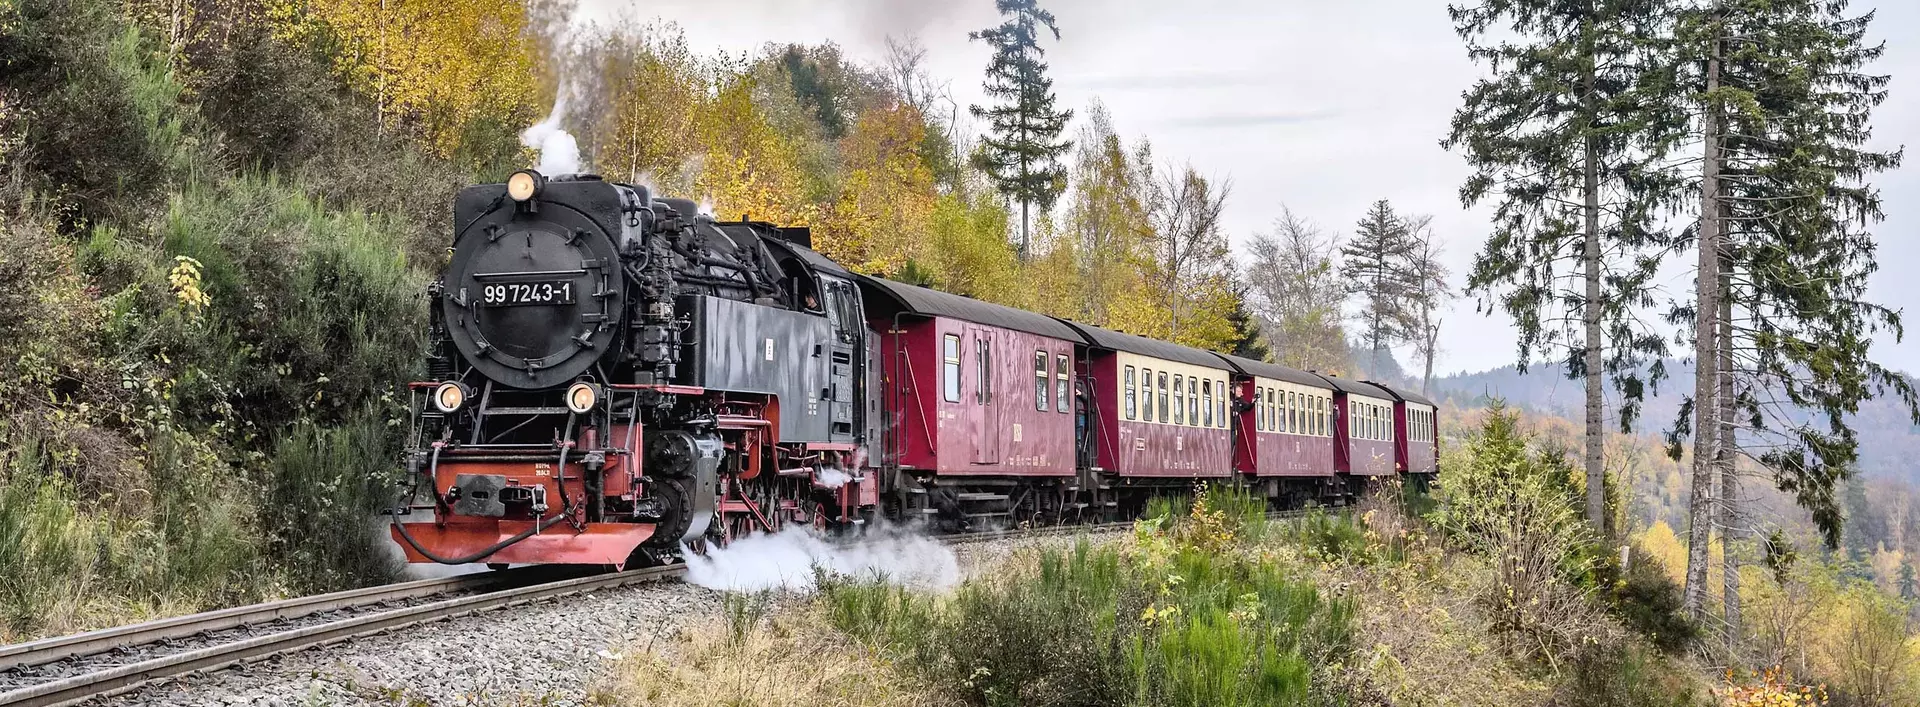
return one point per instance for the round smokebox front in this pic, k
(534, 299)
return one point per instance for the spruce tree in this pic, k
(1378, 266)
(1022, 150)
(1249, 341)
(1565, 138)
(1785, 253)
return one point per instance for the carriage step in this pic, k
(980, 497)
(994, 514)
(1078, 506)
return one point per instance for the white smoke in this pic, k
(787, 559)
(831, 477)
(559, 152)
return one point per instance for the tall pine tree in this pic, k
(1782, 326)
(1021, 154)
(1565, 138)
(1378, 266)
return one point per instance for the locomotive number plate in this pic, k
(521, 294)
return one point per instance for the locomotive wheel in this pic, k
(667, 533)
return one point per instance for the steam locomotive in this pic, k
(617, 378)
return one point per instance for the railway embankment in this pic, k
(1462, 597)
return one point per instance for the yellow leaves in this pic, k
(184, 280)
(447, 65)
(750, 169)
(888, 197)
(1775, 688)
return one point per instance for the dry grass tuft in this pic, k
(786, 661)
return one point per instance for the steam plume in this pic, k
(786, 560)
(559, 152)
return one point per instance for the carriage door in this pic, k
(986, 413)
(845, 378)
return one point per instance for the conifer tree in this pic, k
(1565, 139)
(1782, 328)
(1249, 341)
(1377, 265)
(1022, 150)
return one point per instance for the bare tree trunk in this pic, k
(1590, 314)
(1025, 225)
(1723, 459)
(1433, 341)
(1591, 311)
(1706, 358)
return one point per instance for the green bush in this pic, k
(331, 483)
(1330, 536)
(97, 107)
(1089, 626)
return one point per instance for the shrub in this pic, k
(1515, 507)
(1184, 617)
(331, 483)
(98, 109)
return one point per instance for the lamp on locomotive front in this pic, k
(524, 184)
(449, 397)
(581, 397)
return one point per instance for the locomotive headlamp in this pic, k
(524, 184)
(449, 397)
(581, 397)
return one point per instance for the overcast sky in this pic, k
(1321, 105)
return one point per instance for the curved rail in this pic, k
(124, 678)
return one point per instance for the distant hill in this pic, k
(1890, 443)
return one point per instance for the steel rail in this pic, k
(125, 678)
(49, 650)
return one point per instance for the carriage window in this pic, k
(1179, 394)
(1146, 394)
(1293, 412)
(950, 364)
(1259, 409)
(1273, 410)
(1325, 416)
(1220, 403)
(1193, 402)
(1062, 385)
(1163, 396)
(1129, 389)
(1040, 381)
(984, 395)
(1206, 395)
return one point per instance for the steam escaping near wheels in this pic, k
(788, 559)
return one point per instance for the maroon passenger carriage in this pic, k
(1416, 444)
(1158, 417)
(1363, 430)
(979, 407)
(1283, 435)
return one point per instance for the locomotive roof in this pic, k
(1118, 341)
(1356, 387)
(1406, 395)
(1274, 371)
(934, 303)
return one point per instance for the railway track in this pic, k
(70, 670)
